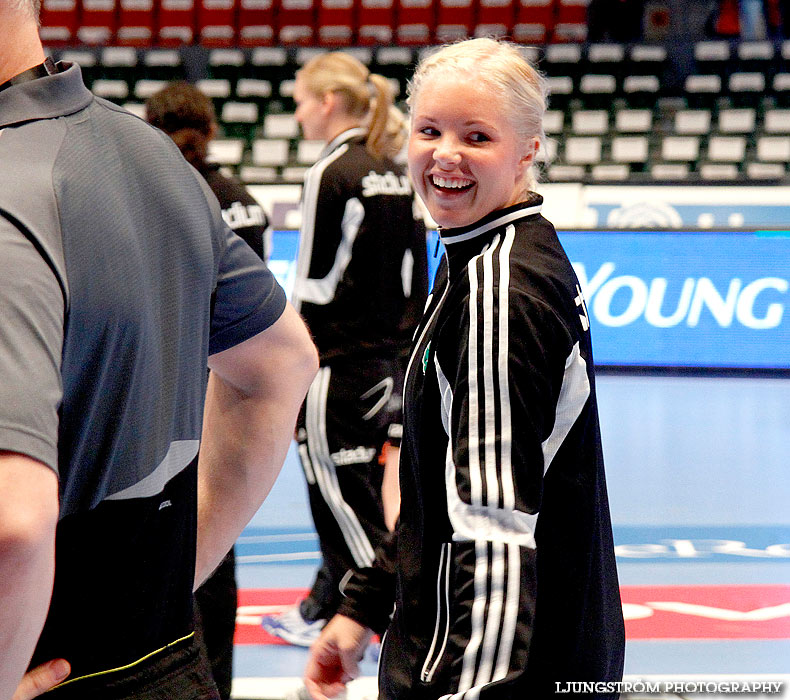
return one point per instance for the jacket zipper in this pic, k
(442, 628)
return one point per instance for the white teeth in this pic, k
(450, 184)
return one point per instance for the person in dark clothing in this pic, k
(502, 568)
(361, 284)
(124, 475)
(187, 115)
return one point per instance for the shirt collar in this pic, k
(45, 98)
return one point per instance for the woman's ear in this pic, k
(531, 152)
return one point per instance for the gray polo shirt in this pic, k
(113, 259)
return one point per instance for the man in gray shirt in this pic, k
(120, 283)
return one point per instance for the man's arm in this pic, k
(28, 518)
(254, 394)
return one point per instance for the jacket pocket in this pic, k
(442, 627)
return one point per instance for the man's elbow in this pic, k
(308, 363)
(27, 530)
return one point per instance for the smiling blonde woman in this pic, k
(503, 576)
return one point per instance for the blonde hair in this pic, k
(501, 66)
(364, 95)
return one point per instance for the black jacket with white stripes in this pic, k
(504, 561)
(361, 271)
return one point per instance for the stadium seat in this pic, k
(712, 57)
(756, 56)
(669, 171)
(781, 88)
(680, 148)
(647, 59)
(494, 18)
(765, 171)
(162, 64)
(135, 23)
(415, 22)
(454, 20)
(726, 149)
(534, 21)
(239, 114)
(98, 22)
(136, 108)
(570, 21)
(597, 90)
(566, 173)
(641, 90)
(582, 150)
(590, 121)
(375, 21)
(692, 121)
(255, 174)
(216, 88)
(718, 171)
(280, 126)
(270, 152)
(610, 172)
(114, 90)
(294, 174)
(256, 22)
(553, 121)
(773, 149)
(296, 20)
(254, 90)
(737, 121)
(560, 91)
(226, 151)
(144, 88)
(225, 64)
(118, 63)
(336, 22)
(777, 121)
(702, 90)
(746, 88)
(307, 152)
(176, 23)
(606, 58)
(564, 59)
(547, 153)
(633, 121)
(59, 21)
(630, 149)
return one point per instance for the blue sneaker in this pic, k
(291, 627)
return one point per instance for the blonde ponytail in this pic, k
(364, 95)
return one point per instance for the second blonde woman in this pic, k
(361, 285)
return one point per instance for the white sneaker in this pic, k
(291, 627)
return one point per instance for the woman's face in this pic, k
(310, 111)
(465, 158)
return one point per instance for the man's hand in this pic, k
(335, 656)
(41, 679)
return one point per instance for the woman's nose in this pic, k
(447, 151)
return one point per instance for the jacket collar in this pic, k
(348, 135)
(45, 98)
(531, 206)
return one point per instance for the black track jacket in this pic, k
(505, 569)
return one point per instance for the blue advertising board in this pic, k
(686, 298)
(698, 299)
